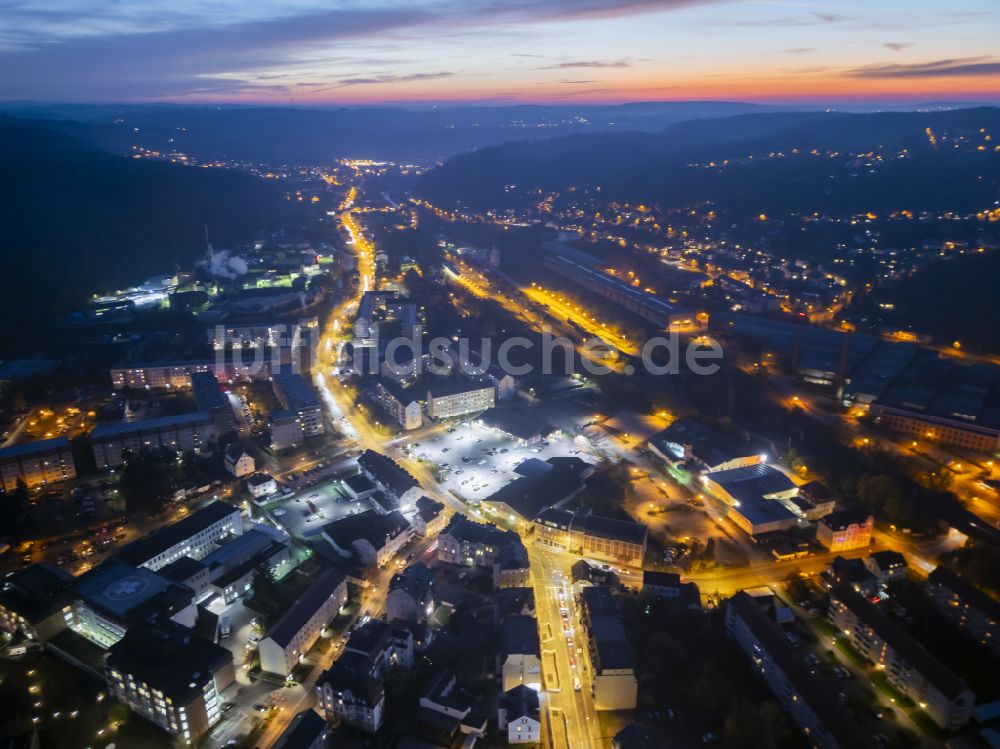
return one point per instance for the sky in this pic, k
(308, 52)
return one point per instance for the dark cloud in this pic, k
(388, 78)
(798, 50)
(897, 46)
(963, 66)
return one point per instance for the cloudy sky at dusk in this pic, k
(362, 51)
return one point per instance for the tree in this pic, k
(149, 479)
(265, 588)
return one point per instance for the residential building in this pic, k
(297, 396)
(887, 566)
(359, 486)
(36, 463)
(171, 676)
(238, 461)
(519, 716)
(209, 397)
(460, 398)
(975, 613)
(411, 595)
(852, 572)
(512, 570)
(519, 660)
(390, 476)
(909, 668)
(595, 536)
(399, 403)
(666, 585)
(815, 710)
(195, 536)
(659, 311)
(468, 543)
(300, 626)
(373, 537)
(190, 432)
(352, 689)
(450, 711)
(845, 530)
(308, 730)
(262, 485)
(612, 659)
(177, 375)
(428, 520)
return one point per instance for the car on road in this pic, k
(261, 708)
(225, 707)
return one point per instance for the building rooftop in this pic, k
(34, 448)
(661, 579)
(298, 392)
(141, 551)
(369, 526)
(520, 425)
(900, 641)
(750, 484)
(304, 607)
(130, 594)
(842, 519)
(965, 590)
(302, 732)
(444, 389)
(37, 591)
(207, 392)
(168, 657)
(528, 494)
(832, 715)
(519, 635)
(387, 472)
(121, 429)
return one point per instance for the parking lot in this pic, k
(474, 461)
(304, 512)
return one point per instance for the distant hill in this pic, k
(670, 167)
(318, 135)
(77, 220)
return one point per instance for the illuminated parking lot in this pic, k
(474, 461)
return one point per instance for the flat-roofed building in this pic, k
(32, 602)
(756, 495)
(297, 396)
(700, 448)
(107, 601)
(183, 433)
(171, 676)
(845, 530)
(300, 626)
(399, 403)
(975, 613)
(909, 668)
(447, 401)
(612, 658)
(664, 314)
(540, 484)
(596, 536)
(37, 463)
(811, 706)
(195, 536)
(209, 397)
(177, 375)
